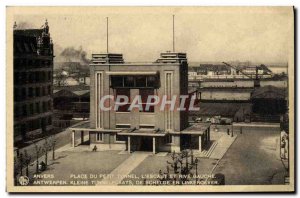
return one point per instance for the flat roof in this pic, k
(197, 129)
(142, 132)
(85, 126)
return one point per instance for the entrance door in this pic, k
(185, 142)
(145, 144)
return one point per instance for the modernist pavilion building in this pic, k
(143, 129)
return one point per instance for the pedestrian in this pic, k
(95, 148)
(227, 131)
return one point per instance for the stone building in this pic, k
(33, 70)
(143, 129)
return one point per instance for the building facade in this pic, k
(143, 129)
(33, 70)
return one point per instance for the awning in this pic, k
(137, 132)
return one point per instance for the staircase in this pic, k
(223, 145)
(207, 152)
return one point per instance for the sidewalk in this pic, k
(118, 174)
(256, 124)
(223, 145)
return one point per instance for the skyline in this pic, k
(210, 34)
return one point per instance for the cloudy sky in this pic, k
(205, 34)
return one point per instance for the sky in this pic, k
(204, 33)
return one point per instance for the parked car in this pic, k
(208, 120)
(199, 119)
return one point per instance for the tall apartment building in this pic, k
(33, 70)
(143, 129)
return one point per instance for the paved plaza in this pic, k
(250, 157)
(253, 158)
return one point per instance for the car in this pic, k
(199, 119)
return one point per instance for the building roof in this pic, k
(29, 32)
(221, 109)
(197, 129)
(82, 92)
(63, 93)
(269, 92)
(72, 88)
(211, 67)
(142, 132)
(67, 91)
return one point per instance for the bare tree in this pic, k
(21, 163)
(38, 152)
(27, 161)
(52, 142)
(16, 169)
(185, 167)
(46, 149)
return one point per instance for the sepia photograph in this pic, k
(150, 99)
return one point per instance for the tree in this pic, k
(16, 169)
(21, 163)
(185, 167)
(27, 161)
(52, 142)
(38, 151)
(46, 149)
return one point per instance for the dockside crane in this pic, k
(256, 80)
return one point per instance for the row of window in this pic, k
(118, 138)
(144, 93)
(135, 81)
(40, 123)
(32, 77)
(24, 93)
(32, 108)
(128, 126)
(32, 63)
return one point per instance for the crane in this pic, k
(256, 80)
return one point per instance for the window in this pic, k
(152, 81)
(168, 139)
(120, 138)
(30, 92)
(49, 105)
(37, 107)
(49, 90)
(146, 126)
(44, 91)
(45, 107)
(99, 137)
(134, 81)
(24, 110)
(24, 96)
(117, 81)
(141, 81)
(49, 75)
(145, 93)
(31, 111)
(128, 81)
(123, 126)
(123, 92)
(49, 120)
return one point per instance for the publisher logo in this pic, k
(24, 180)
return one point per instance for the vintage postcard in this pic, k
(150, 99)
